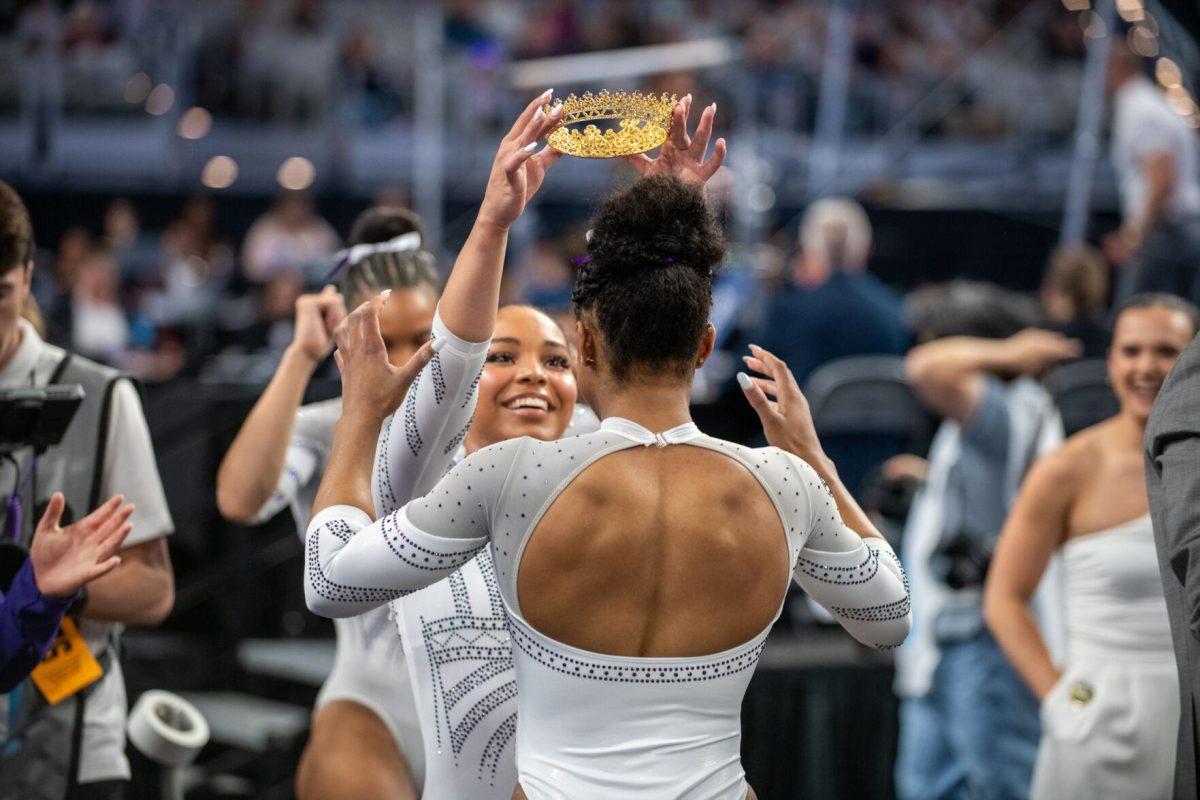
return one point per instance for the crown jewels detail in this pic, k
(642, 124)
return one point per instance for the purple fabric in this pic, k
(28, 623)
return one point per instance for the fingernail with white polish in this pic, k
(547, 93)
(744, 380)
(529, 148)
(537, 117)
(554, 112)
(438, 344)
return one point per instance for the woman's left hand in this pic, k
(517, 173)
(681, 155)
(781, 406)
(371, 387)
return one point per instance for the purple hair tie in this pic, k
(668, 260)
(581, 260)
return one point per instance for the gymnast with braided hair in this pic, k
(366, 742)
(641, 566)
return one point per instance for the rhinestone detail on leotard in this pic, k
(693, 672)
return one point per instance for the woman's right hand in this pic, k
(517, 173)
(371, 387)
(681, 155)
(317, 315)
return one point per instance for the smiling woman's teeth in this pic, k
(528, 402)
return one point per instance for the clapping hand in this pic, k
(681, 155)
(371, 386)
(517, 173)
(64, 559)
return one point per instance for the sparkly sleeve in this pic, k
(417, 444)
(353, 564)
(859, 581)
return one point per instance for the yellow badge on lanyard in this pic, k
(68, 667)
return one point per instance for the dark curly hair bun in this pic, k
(652, 254)
(659, 221)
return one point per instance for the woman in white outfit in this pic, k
(366, 741)
(1110, 713)
(640, 567)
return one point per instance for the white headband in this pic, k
(399, 244)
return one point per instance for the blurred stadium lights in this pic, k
(219, 173)
(1131, 10)
(1077, 5)
(1167, 73)
(161, 98)
(195, 123)
(1181, 101)
(1142, 41)
(296, 173)
(761, 198)
(1093, 25)
(137, 89)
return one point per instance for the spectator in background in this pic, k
(1154, 153)
(833, 307)
(549, 278)
(968, 725)
(136, 253)
(99, 328)
(74, 247)
(1074, 297)
(366, 97)
(289, 238)
(196, 263)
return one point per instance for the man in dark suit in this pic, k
(1173, 480)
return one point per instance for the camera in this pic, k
(36, 416)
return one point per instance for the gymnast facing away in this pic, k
(641, 566)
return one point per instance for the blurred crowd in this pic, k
(191, 299)
(950, 67)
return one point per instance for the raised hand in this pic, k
(781, 406)
(1033, 351)
(317, 315)
(517, 173)
(681, 155)
(371, 386)
(64, 559)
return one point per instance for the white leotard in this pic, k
(594, 725)
(369, 666)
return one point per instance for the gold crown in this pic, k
(642, 124)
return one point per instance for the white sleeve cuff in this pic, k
(454, 342)
(352, 515)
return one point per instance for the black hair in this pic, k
(649, 274)
(16, 231)
(1162, 300)
(409, 269)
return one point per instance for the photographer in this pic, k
(77, 745)
(967, 723)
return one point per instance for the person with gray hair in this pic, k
(833, 307)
